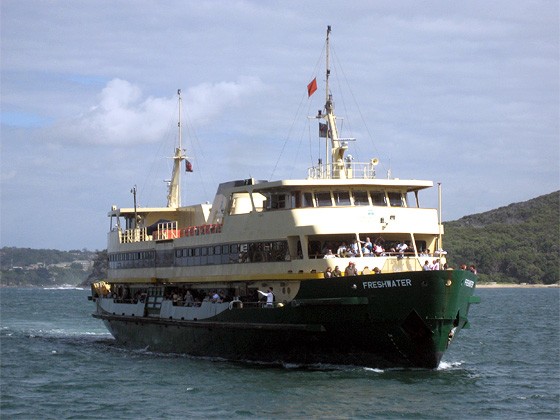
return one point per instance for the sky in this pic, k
(465, 94)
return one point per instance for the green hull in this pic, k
(388, 320)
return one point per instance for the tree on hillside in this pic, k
(99, 270)
(516, 244)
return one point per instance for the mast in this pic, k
(338, 147)
(174, 190)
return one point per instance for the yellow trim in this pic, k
(221, 279)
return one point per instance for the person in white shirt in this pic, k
(269, 297)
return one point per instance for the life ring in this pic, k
(235, 304)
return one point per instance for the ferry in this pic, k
(340, 267)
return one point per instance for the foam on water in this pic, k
(449, 365)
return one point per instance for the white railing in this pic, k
(134, 235)
(345, 170)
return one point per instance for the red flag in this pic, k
(188, 166)
(312, 87)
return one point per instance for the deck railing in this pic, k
(166, 231)
(342, 170)
(134, 235)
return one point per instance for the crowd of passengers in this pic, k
(192, 297)
(369, 249)
(351, 269)
(179, 296)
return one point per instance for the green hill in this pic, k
(518, 243)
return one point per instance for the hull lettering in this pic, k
(387, 283)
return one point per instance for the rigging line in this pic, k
(370, 136)
(198, 150)
(315, 71)
(301, 137)
(147, 188)
(286, 138)
(310, 142)
(346, 123)
(299, 145)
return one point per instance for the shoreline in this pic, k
(493, 285)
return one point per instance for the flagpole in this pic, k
(327, 72)
(180, 148)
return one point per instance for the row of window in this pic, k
(132, 256)
(298, 199)
(207, 255)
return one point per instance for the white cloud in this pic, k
(124, 116)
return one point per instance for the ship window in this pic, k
(233, 249)
(395, 199)
(277, 201)
(378, 199)
(307, 199)
(296, 200)
(341, 198)
(360, 198)
(217, 250)
(323, 199)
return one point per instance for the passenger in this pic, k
(426, 266)
(351, 270)
(223, 296)
(216, 298)
(355, 248)
(366, 252)
(472, 269)
(376, 270)
(401, 248)
(329, 254)
(269, 297)
(368, 245)
(463, 266)
(341, 251)
(336, 272)
(436, 265)
(328, 273)
(189, 300)
(366, 271)
(378, 250)
(327, 246)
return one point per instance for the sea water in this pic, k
(58, 362)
